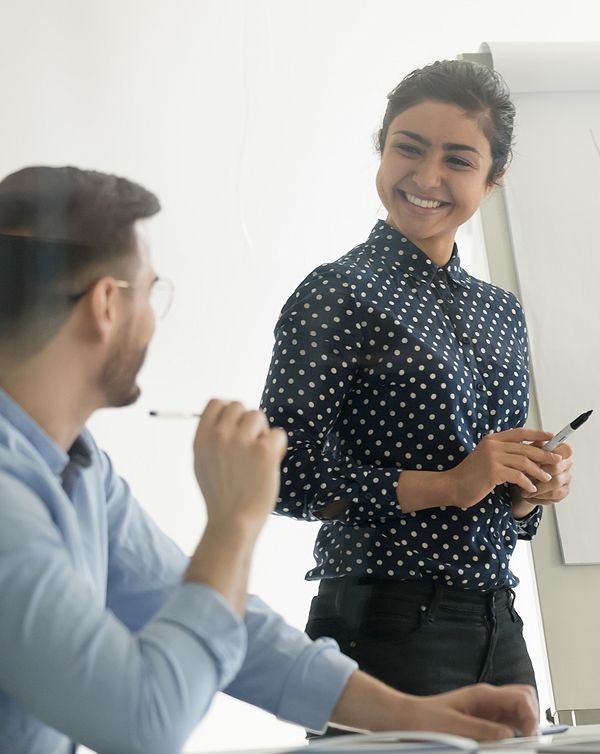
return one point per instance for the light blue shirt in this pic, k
(100, 641)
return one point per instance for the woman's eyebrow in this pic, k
(448, 147)
(460, 148)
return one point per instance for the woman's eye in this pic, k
(408, 149)
(457, 161)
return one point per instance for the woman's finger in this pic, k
(527, 467)
(522, 434)
(535, 454)
(521, 480)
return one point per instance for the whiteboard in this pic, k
(552, 193)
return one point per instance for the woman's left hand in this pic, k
(552, 491)
(560, 485)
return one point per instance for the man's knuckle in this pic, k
(220, 436)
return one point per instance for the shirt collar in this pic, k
(410, 259)
(56, 458)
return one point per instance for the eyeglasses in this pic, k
(161, 294)
(162, 291)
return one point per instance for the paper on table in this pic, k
(392, 741)
(570, 746)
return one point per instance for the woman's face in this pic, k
(433, 174)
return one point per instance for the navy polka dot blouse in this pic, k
(384, 361)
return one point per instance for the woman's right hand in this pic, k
(498, 458)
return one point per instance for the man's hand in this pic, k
(237, 457)
(236, 460)
(483, 712)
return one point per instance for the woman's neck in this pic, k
(437, 248)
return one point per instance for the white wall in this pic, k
(253, 121)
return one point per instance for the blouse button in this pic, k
(465, 338)
(480, 387)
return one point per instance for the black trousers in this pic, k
(423, 637)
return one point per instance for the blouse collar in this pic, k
(390, 243)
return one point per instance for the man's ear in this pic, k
(103, 301)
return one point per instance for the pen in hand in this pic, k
(174, 414)
(561, 436)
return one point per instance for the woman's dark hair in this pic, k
(60, 229)
(480, 91)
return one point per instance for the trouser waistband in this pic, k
(433, 594)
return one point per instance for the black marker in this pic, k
(566, 431)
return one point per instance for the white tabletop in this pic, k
(572, 735)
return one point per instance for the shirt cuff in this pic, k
(201, 612)
(527, 526)
(315, 684)
(374, 499)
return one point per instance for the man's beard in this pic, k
(117, 379)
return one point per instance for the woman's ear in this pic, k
(492, 185)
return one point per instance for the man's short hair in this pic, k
(60, 229)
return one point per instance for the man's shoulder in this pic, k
(26, 480)
(19, 463)
(23, 508)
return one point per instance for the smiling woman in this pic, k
(402, 382)
(430, 182)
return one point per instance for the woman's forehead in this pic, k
(441, 122)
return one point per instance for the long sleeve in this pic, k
(100, 641)
(144, 565)
(76, 668)
(318, 349)
(526, 527)
(300, 679)
(283, 671)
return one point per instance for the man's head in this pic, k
(71, 256)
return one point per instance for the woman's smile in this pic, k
(424, 205)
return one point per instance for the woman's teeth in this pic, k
(426, 203)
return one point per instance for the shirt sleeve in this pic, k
(319, 347)
(283, 671)
(144, 565)
(300, 679)
(526, 527)
(73, 665)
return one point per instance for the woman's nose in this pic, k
(428, 175)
